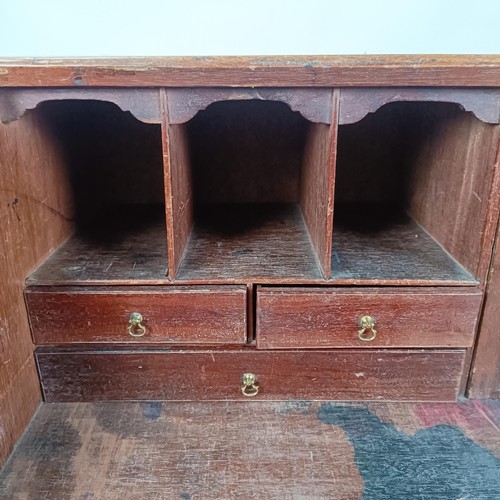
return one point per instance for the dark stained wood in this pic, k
(246, 152)
(485, 375)
(375, 244)
(144, 104)
(355, 104)
(111, 159)
(257, 242)
(454, 177)
(315, 105)
(179, 196)
(317, 186)
(371, 164)
(272, 71)
(124, 246)
(213, 375)
(251, 297)
(186, 315)
(35, 213)
(291, 318)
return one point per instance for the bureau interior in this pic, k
(412, 187)
(114, 168)
(249, 165)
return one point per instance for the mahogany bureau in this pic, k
(280, 228)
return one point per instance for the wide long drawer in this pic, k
(390, 375)
(171, 314)
(365, 317)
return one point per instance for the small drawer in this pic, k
(173, 314)
(248, 374)
(364, 317)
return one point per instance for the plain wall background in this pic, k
(37, 28)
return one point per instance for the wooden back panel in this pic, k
(246, 152)
(112, 158)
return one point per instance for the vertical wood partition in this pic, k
(317, 186)
(179, 200)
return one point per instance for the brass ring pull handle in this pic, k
(367, 332)
(135, 326)
(249, 387)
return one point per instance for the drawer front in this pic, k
(329, 317)
(192, 315)
(280, 375)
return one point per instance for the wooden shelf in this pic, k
(382, 245)
(128, 245)
(257, 242)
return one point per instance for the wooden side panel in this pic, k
(317, 185)
(451, 189)
(178, 190)
(215, 375)
(189, 315)
(35, 213)
(317, 318)
(485, 376)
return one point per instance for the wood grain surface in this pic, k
(454, 177)
(355, 104)
(315, 105)
(35, 213)
(316, 188)
(434, 161)
(296, 71)
(125, 245)
(261, 450)
(296, 318)
(257, 242)
(485, 374)
(144, 104)
(246, 152)
(188, 315)
(216, 374)
(377, 244)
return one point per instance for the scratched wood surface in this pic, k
(485, 374)
(84, 374)
(273, 71)
(179, 315)
(291, 318)
(261, 242)
(35, 209)
(124, 245)
(275, 450)
(378, 244)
